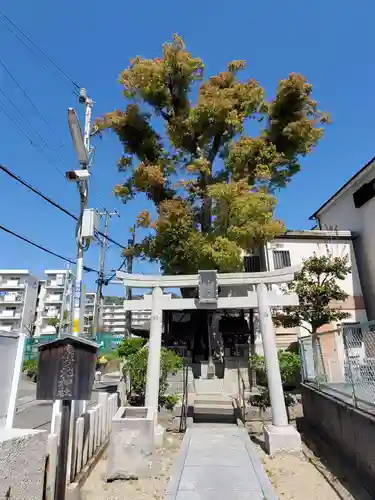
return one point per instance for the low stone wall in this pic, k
(22, 463)
(350, 431)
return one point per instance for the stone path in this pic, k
(218, 462)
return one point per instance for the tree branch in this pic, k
(215, 147)
(167, 117)
(305, 328)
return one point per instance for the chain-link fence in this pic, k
(342, 363)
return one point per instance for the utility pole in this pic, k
(62, 320)
(100, 281)
(129, 269)
(83, 151)
(81, 178)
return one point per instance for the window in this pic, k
(364, 194)
(252, 263)
(281, 259)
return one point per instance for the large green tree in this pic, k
(186, 146)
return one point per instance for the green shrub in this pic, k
(131, 346)
(111, 355)
(30, 368)
(290, 368)
(169, 401)
(136, 368)
(262, 400)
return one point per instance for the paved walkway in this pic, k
(218, 462)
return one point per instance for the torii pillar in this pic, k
(280, 436)
(154, 350)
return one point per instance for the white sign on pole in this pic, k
(11, 355)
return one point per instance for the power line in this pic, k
(44, 249)
(31, 141)
(107, 280)
(41, 151)
(30, 100)
(44, 54)
(52, 202)
(36, 191)
(46, 145)
(24, 117)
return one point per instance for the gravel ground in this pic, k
(150, 488)
(302, 477)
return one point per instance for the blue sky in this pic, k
(330, 42)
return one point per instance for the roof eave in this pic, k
(344, 188)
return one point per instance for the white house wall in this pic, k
(300, 249)
(343, 215)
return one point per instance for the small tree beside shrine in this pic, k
(319, 293)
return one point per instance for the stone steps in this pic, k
(213, 409)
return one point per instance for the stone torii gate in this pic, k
(243, 291)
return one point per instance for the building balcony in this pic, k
(57, 284)
(10, 315)
(11, 299)
(9, 328)
(53, 299)
(47, 330)
(4, 284)
(51, 313)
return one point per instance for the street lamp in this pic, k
(82, 147)
(77, 138)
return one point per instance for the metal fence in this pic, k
(107, 342)
(342, 363)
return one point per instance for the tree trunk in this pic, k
(319, 367)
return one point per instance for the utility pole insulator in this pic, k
(82, 96)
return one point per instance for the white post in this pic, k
(339, 341)
(17, 368)
(154, 349)
(279, 416)
(279, 437)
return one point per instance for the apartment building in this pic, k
(18, 294)
(54, 302)
(90, 303)
(141, 319)
(113, 316)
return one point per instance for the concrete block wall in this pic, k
(349, 430)
(22, 463)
